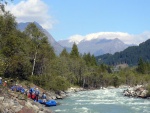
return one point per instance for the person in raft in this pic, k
(0, 80)
(37, 94)
(31, 92)
(5, 84)
(44, 97)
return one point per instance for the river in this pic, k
(102, 101)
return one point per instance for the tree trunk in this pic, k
(34, 63)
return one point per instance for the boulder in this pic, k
(28, 104)
(137, 91)
(16, 108)
(1, 98)
(143, 94)
(35, 108)
(59, 97)
(26, 110)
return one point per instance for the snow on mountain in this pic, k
(97, 43)
(101, 35)
(76, 38)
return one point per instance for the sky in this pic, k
(128, 20)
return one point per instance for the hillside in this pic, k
(131, 55)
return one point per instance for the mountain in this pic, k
(130, 55)
(96, 46)
(57, 47)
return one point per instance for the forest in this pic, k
(28, 56)
(130, 56)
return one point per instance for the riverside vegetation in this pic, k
(29, 56)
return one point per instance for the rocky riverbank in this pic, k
(137, 91)
(15, 102)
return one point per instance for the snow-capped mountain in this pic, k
(96, 44)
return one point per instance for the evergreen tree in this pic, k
(89, 59)
(141, 66)
(93, 60)
(74, 52)
(64, 53)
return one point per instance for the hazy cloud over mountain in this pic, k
(125, 37)
(32, 10)
(38, 10)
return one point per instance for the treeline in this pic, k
(130, 56)
(29, 56)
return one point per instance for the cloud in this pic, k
(30, 11)
(125, 37)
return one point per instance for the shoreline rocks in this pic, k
(14, 105)
(74, 89)
(138, 91)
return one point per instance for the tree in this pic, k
(8, 25)
(141, 66)
(93, 60)
(64, 53)
(74, 52)
(89, 59)
(2, 4)
(35, 34)
(41, 52)
(13, 48)
(116, 81)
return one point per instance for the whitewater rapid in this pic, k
(102, 101)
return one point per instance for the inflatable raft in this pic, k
(18, 89)
(48, 103)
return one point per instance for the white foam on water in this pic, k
(58, 110)
(83, 100)
(141, 109)
(78, 103)
(81, 110)
(146, 111)
(108, 97)
(104, 103)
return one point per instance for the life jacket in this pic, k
(44, 96)
(37, 92)
(18, 88)
(0, 81)
(31, 90)
(13, 88)
(22, 90)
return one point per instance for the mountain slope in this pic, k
(131, 55)
(57, 47)
(96, 46)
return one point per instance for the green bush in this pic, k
(59, 83)
(51, 83)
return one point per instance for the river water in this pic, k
(102, 101)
